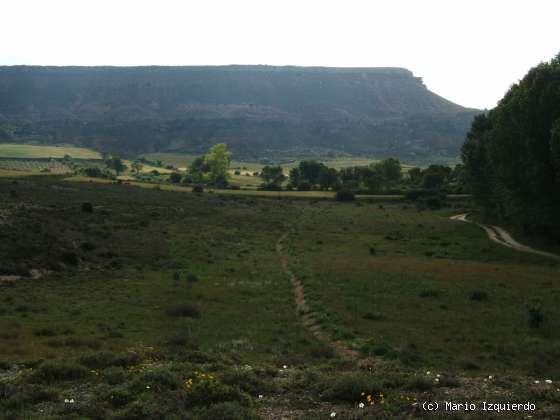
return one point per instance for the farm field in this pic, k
(27, 151)
(155, 304)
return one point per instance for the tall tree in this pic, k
(218, 160)
(511, 153)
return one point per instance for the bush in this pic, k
(229, 410)
(247, 381)
(50, 372)
(182, 338)
(209, 392)
(536, 313)
(304, 186)
(478, 295)
(45, 332)
(87, 207)
(349, 387)
(158, 380)
(427, 293)
(118, 396)
(70, 258)
(198, 189)
(93, 172)
(192, 278)
(184, 309)
(104, 359)
(419, 383)
(344, 195)
(175, 177)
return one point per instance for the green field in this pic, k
(157, 304)
(27, 151)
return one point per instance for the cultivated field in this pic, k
(26, 151)
(148, 303)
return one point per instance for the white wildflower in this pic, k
(285, 367)
(260, 396)
(147, 386)
(428, 373)
(333, 414)
(548, 381)
(361, 405)
(537, 382)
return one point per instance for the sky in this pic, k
(468, 51)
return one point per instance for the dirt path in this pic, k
(309, 318)
(502, 237)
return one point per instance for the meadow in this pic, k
(152, 303)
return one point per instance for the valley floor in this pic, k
(154, 304)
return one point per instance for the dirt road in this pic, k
(502, 237)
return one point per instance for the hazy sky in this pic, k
(469, 51)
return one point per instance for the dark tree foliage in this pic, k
(512, 154)
(273, 177)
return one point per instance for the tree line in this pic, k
(512, 154)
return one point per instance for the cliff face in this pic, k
(257, 110)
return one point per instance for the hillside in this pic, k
(259, 111)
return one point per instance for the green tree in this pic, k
(511, 154)
(328, 179)
(175, 177)
(218, 160)
(273, 175)
(391, 170)
(415, 175)
(555, 147)
(115, 163)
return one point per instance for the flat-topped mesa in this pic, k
(384, 110)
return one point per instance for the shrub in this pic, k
(114, 375)
(157, 379)
(87, 207)
(304, 186)
(229, 410)
(419, 383)
(536, 313)
(70, 258)
(182, 338)
(247, 381)
(104, 359)
(183, 309)
(88, 246)
(192, 278)
(374, 316)
(350, 386)
(198, 189)
(344, 195)
(45, 332)
(50, 372)
(427, 293)
(118, 396)
(175, 177)
(478, 295)
(209, 392)
(93, 172)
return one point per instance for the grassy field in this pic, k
(426, 290)
(155, 304)
(27, 151)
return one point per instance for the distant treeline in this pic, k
(512, 154)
